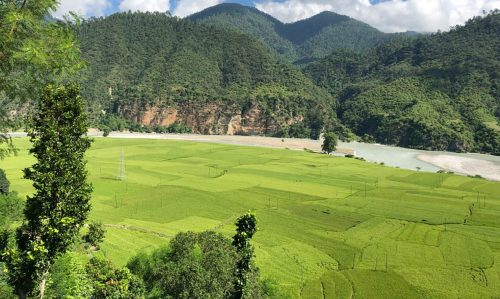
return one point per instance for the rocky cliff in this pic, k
(211, 117)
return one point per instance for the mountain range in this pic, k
(298, 42)
(161, 71)
(438, 92)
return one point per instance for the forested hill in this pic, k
(305, 40)
(435, 92)
(159, 70)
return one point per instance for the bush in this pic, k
(109, 282)
(193, 266)
(11, 208)
(68, 279)
(106, 131)
(4, 183)
(95, 234)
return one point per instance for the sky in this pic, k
(386, 15)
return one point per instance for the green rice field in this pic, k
(329, 227)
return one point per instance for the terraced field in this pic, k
(329, 227)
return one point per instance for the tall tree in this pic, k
(33, 52)
(59, 207)
(246, 227)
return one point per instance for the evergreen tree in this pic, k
(246, 227)
(59, 207)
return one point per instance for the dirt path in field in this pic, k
(138, 229)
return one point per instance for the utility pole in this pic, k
(121, 171)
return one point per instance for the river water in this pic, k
(470, 164)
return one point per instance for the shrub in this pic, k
(109, 282)
(95, 234)
(4, 183)
(195, 265)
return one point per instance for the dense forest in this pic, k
(143, 61)
(438, 92)
(298, 42)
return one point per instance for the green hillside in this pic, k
(329, 227)
(438, 92)
(150, 59)
(251, 21)
(301, 41)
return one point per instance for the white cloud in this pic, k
(145, 5)
(389, 16)
(82, 7)
(188, 7)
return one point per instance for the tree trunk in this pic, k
(43, 284)
(21, 294)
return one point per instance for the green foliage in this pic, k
(177, 128)
(106, 131)
(431, 92)
(68, 279)
(193, 266)
(111, 283)
(11, 209)
(4, 183)
(33, 51)
(6, 146)
(329, 142)
(110, 123)
(246, 271)
(59, 207)
(251, 21)
(180, 63)
(299, 42)
(95, 235)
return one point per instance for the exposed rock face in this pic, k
(208, 118)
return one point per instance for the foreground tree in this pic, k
(33, 52)
(329, 143)
(110, 282)
(68, 279)
(59, 207)
(195, 265)
(246, 271)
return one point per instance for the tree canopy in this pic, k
(33, 53)
(299, 42)
(432, 92)
(60, 204)
(137, 60)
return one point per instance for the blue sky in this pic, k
(386, 15)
